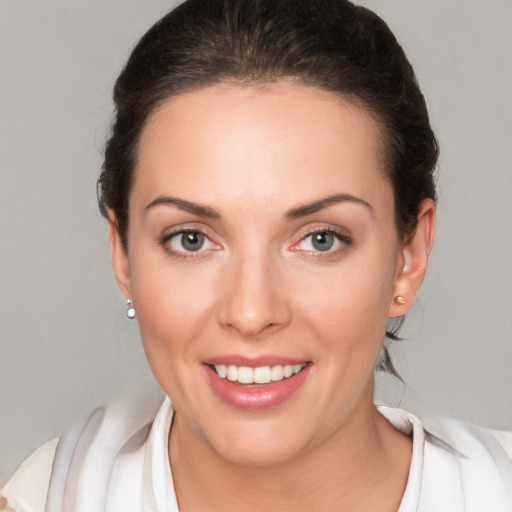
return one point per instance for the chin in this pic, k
(260, 445)
(263, 455)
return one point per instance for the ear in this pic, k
(413, 260)
(120, 262)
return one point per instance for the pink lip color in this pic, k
(255, 397)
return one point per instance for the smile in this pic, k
(262, 385)
(258, 375)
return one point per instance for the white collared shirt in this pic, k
(106, 464)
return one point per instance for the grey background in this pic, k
(65, 344)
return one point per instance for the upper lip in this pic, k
(253, 362)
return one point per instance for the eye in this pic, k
(187, 241)
(324, 240)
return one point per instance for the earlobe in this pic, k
(414, 256)
(120, 262)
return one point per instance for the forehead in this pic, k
(241, 141)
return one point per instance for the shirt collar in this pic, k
(158, 488)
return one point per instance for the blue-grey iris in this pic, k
(192, 241)
(323, 240)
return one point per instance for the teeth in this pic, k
(262, 375)
(259, 375)
(232, 373)
(277, 373)
(245, 375)
(222, 370)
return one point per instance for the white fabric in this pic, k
(36, 470)
(104, 464)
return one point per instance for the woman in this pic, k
(269, 188)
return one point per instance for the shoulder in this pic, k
(468, 464)
(505, 440)
(456, 466)
(471, 441)
(93, 451)
(27, 489)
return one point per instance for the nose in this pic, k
(253, 298)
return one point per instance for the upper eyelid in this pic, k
(339, 231)
(177, 231)
(344, 239)
(185, 228)
(327, 230)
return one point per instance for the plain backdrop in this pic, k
(66, 346)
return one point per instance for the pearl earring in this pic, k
(399, 300)
(130, 309)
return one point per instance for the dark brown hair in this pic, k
(331, 44)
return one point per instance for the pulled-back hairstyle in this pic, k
(332, 44)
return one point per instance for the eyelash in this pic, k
(344, 239)
(164, 242)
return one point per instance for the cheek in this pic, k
(173, 315)
(173, 307)
(347, 311)
(348, 300)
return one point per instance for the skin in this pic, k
(258, 287)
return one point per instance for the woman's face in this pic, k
(262, 242)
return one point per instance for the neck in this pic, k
(363, 466)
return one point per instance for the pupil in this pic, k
(323, 241)
(192, 241)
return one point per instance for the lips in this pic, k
(255, 384)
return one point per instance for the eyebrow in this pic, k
(310, 208)
(300, 211)
(187, 206)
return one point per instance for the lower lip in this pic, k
(255, 397)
